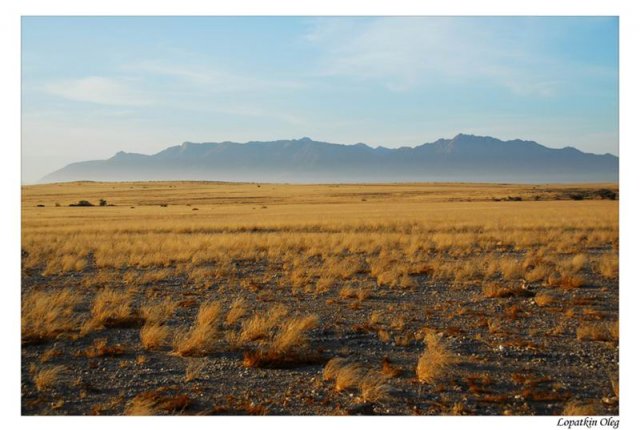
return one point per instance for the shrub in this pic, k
(82, 203)
(435, 361)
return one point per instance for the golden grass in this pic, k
(584, 408)
(114, 308)
(543, 299)
(47, 377)
(203, 334)
(607, 266)
(47, 315)
(154, 335)
(101, 348)
(374, 387)
(237, 310)
(259, 326)
(347, 375)
(607, 331)
(157, 402)
(285, 347)
(159, 312)
(436, 360)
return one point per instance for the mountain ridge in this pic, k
(464, 157)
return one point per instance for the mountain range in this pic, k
(464, 158)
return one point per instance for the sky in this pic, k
(93, 86)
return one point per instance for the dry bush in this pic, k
(347, 375)
(389, 370)
(50, 353)
(157, 402)
(46, 377)
(154, 335)
(435, 361)
(584, 408)
(349, 292)
(101, 348)
(201, 337)
(376, 317)
(538, 273)
(286, 347)
(324, 284)
(292, 334)
(259, 326)
(615, 386)
(571, 281)
(332, 367)
(159, 312)
(607, 266)
(579, 261)
(114, 308)
(141, 407)
(494, 290)
(511, 269)
(374, 387)
(237, 310)
(384, 336)
(607, 331)
(544, 299)
(47, 315)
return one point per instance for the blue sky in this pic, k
(93, 86)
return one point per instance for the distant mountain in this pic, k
(465, 158)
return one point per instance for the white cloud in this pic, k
(99, 90)
(210, 79)
(407, 52)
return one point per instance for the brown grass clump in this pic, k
(389, 370)
(50, 353)
(571, 281)
(332, 367)
(544, 299)
(511, 269)
(153, 336)
(597, 331)
(237, 310)
(47, 315)
(494, 290)
(584, 408)
(376, 317)
(259, 326)
(347, 375)
(374, 387)
(353, 293)
(435, 361)
(157, 402)
(578, 262)
(607, 266)
(114, 308)
(159, 312)
(201, 337)
(287, 347)
(538, 273)
(101, 348)
(47, 377)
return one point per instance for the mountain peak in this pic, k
(464, 158)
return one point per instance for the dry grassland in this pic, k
(212, 298)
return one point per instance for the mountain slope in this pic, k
(463, 158)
